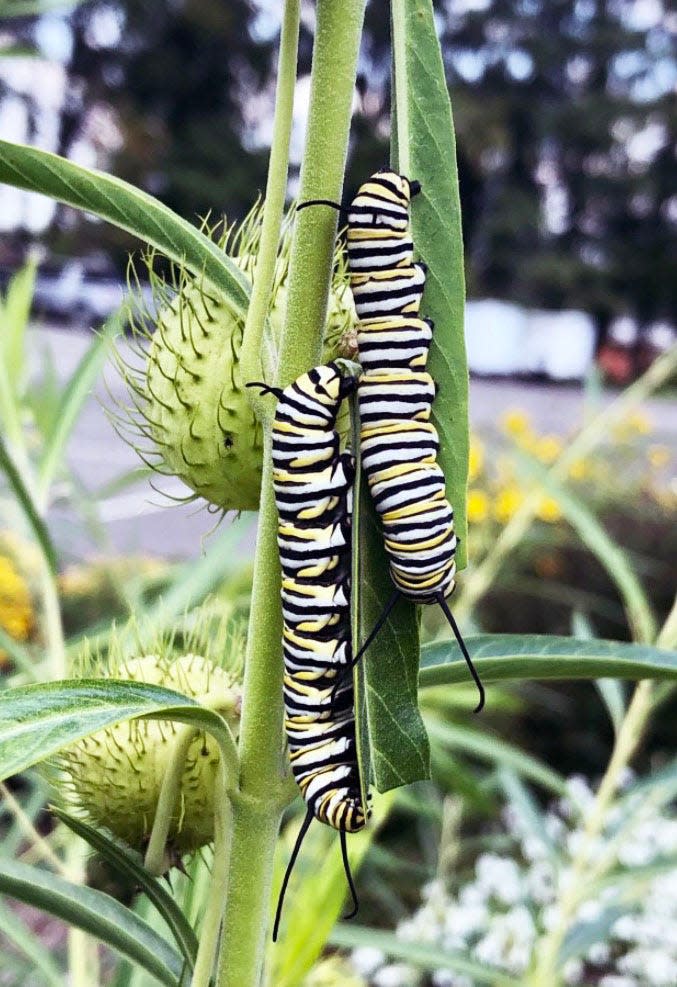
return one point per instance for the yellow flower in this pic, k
(579, 470)
(16, 610)
(634, 423)
(640, 422)
(478, 505)
(516, 422)
(507, 502)
(548, 448)
(476, 459)
(549, 510)
(658, 456)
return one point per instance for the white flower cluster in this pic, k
(627, 922)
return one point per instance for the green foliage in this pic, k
(38, 721)
(500, 657)
(125, 864)
(95, 913)
(398, 745)
(426, 150)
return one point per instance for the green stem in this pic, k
(83, 953)
(263, 778)
(218, 884)
(52, 623)
(337, 38)
(155, 861)
(273, 209)
(399, 35)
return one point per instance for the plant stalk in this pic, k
(263, 777)
(155, 861)
(399, 34)
(218, 883)
(251, 363)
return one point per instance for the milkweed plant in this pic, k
(164, 747)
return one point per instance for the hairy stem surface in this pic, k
(251, 361)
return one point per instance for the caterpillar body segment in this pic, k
(399, 443)
(313, 491)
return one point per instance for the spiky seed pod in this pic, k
(199, 414)
(115, 775)
(189, 399)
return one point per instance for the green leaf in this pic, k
(426, 151)
(423, 956)
(501, 657)
(386, 690)
(530, 815)
(73, 397)
(125, 206)
(583, 935)
(14, 319)
(610, 690)
(37, 721)
(28, 506)
(127, 863)
(399, 747)
(613, 697)
(94, 912)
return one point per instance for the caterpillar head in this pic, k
(329, 385)
(382, 202)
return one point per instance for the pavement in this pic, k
(138, 520)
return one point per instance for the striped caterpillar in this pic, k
(398, 441)
(313, 484)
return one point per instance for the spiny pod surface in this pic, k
(115, 775)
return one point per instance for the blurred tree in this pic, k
(183, 80)
(566, 124)
(565, 115)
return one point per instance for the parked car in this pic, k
(80, 296)
(76, 295)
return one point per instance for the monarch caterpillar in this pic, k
(313, 484)
(399, 443)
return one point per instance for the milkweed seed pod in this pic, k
(114, 776)
(189, 401)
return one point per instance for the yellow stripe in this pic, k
(413, 509)
(419, 546)
(394, 427)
